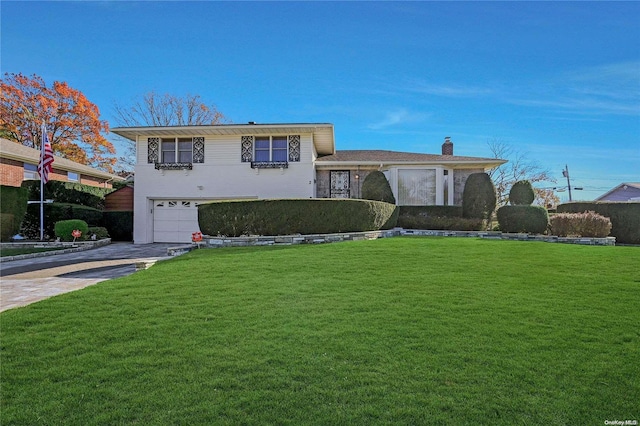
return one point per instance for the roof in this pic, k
(623, 196)
(378, 157)
(15, 151)
(323, 136)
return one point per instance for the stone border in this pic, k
(216, 242)
(73, 248)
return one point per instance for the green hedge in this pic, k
(624, 216)
(119, 224)
(530, 219)
(376, 187)
(56, 212)
(13, 206)
(68, 192)
(437, 217)
(478, 197)
(64, 228)
(286, 217)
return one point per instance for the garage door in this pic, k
(175, 220)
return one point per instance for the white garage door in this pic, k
(175, 220)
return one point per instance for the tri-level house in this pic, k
(179, 167)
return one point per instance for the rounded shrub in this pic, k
(529, 219)
(64, 228)
(376, 187)
(478, 197)
(521, 193)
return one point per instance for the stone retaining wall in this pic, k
(64, 248)
(213, 242)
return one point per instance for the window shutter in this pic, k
(247, 149)
(198, 150)
(294, 147)
(152, 150)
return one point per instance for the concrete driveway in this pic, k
(29, 280)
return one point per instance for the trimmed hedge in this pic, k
(624, 216)
(478, 197)
(376, 187)
(587, 224)
(437, 217)
(64, 228)
(287, 217)
(13, 206)
(56, 212)
(99, 231)
(68, 192)
(529, 219)
(521, 193)
(119, 224)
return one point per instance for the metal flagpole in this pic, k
(42, 140)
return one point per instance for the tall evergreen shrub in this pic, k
(376, 187)
(478, 197)
(521, 193)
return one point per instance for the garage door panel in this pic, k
(175, 220)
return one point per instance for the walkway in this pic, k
(29, 280)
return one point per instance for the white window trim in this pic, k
(176, 149)
(286, 149)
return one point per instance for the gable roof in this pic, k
(15, 151)
(624, 186)
(383, 157)
(323, 135)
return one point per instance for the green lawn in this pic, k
(17, 251)
(394, 331)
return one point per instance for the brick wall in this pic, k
(11, 172)
(93, 181)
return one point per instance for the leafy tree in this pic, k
(152, 109)
(376, 187)
(73, 122)
(478, 197)
(518, 168)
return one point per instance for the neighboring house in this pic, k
(19, 163)
(179, 167)
(622, 192)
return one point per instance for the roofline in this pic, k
(606, 194)
(60, 163)
(491, 162)
(148, 130)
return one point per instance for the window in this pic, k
(271, 148)
(73, 177)
(416, 187)
(31, 172)
(176, 150)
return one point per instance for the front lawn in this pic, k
(394, 331)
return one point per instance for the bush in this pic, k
(119, 224)
(286, 217)
(437, 217)
(99, 231)
(521, 193)
(56, 212)
(478, 197)
(529, 219)
(68, 192)
(376, 187)
(625, 225)
(13, 203)
(587, 224)
(64, 228)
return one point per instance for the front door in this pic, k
(340, 184)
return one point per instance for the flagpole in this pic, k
(42, 141)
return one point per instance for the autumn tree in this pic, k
(518, 168)
(153, 109)
(73, 123)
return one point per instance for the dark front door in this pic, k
(340, 184)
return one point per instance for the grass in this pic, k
(394, 331)
(17, 251)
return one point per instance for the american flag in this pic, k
(46, 157)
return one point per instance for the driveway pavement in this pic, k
(29, 280)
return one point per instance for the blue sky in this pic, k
(559, 81)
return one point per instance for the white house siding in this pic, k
(221, 176)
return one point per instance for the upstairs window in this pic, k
(271, 148)
(177, 150)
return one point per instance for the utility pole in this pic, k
(565, 173)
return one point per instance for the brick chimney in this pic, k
(447, 146)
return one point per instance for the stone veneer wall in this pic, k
(459, 179)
